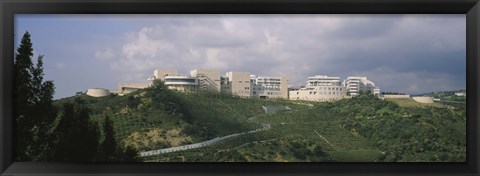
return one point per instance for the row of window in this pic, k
(268, 93)
(181, 80)
(330, 88)
(269, 79)
(324, 93)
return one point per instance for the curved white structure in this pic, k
(98, 92)
(355, 84)
(423, 99)
(181, 83)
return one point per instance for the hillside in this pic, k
(362, 128)
(447, 95)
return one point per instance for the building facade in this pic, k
(209, 80)
(236, 83)
(357, 84)
(325, 88)
(269, 87)
(125, 88)
(320, 88)
(181, 83)
(161, 73)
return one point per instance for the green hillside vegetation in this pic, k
(360, 129)
(448, 95)
(410, 103)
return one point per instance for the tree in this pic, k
(34, 110)
(108, 147)
(129, 154)
(76, 136)
(110, 151)
(22, 92)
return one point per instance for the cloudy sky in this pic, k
(405, 53)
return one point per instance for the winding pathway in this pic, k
(200, 144)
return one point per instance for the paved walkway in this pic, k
(200, 144)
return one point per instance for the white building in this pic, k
(125, 88)
(357, 84)
(269, 87)
(208, 79)
(181, 83)
(320, 88)
(236, 83)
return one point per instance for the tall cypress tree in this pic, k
(108, 147)
(22, 93)
(34, 110)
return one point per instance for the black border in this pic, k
(10, 7)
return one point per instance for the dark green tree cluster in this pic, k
(110, 151)
(165, 99)
(34, 110)
(405, 133)
(77, 137)
(38, 135)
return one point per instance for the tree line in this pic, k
(45, 132)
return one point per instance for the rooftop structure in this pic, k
(319, 88)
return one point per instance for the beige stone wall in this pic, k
(208, 79)
(98, 92)
(239, 83)
(284, 87)
(396, 96)
(125, 88)
(423, 99)
(161, 73)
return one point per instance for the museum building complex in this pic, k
(244, 84)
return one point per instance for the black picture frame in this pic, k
(8, 8)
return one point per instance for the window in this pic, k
(297, 93)
(310, 93)
(239, 81)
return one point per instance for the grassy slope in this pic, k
(357, 129)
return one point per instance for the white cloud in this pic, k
(144, 45)
(105, 54)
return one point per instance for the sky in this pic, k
(402, 53)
